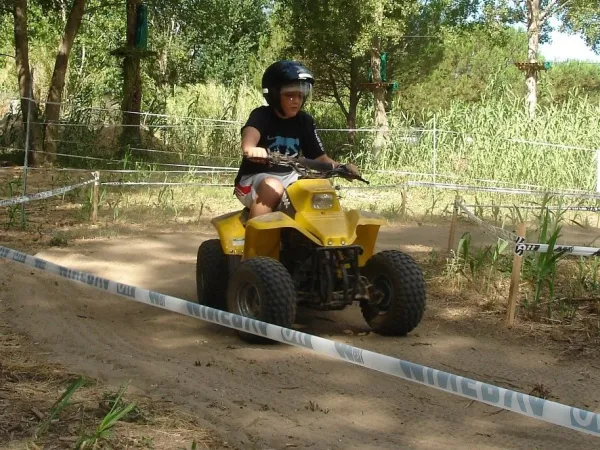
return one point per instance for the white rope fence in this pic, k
(414, 131)
(163, 183)
(550, 208)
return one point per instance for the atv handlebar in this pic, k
(313, 164)
(300, 164)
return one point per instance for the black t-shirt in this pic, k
(286, 136)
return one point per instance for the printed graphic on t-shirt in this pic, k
(285, 145)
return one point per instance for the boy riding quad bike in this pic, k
(310, 252)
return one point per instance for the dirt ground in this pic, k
(280, 397)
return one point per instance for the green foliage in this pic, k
(569, 80)
(460, 78)
(474, 63)
(582, 16)
(63, 402)
(540, 268)
(477, 265)
(104, 429)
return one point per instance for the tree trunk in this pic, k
(379, 114)
(132, 82)
(58, 77)
(531, 75)
(25, 78)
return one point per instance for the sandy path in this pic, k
(257, 397)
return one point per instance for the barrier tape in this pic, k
(527, 405)
(521, 246)
(491, 229)
(574, 250)
(43, 195)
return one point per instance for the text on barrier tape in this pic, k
(527, 405)
(42, 195)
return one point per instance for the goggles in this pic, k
(303, 87)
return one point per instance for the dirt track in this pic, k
(258, 397)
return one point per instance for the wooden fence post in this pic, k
(515, 278)
(452, 235)
(95, 197)
(404, 195)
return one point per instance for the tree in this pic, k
(472, 64)
(24, 72)
(339, 40)
(342, 39)
(581, 16)
(212, 39)
(575, 16)
(57, 83)
(28, 105)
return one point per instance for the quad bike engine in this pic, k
(326, 278)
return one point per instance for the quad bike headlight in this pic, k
(322, 201)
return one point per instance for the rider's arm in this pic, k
(327, 159)
(250, 137)
(324, 158)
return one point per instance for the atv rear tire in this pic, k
(398, 277)
(212, 274)
(262, 288)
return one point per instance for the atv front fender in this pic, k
(263, 234)
(366, 225)
(231, 231)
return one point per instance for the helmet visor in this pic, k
(304, 88)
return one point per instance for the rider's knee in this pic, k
(269, 192)
(271, 186)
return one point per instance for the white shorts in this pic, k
(245, 190)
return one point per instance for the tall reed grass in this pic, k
(468, 141)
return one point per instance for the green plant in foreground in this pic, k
(588, 274)
(105, 428)
(62, 403)
(540, 268)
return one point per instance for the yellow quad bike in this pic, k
(308, 252)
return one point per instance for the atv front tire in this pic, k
(399, 280)
(212, 274)
(262, 288)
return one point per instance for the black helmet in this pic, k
(283, 73)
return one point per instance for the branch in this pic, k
(553, 7)
(102, 6)
(337, 97)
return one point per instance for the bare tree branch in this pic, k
(337, 97)
(553, 7)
